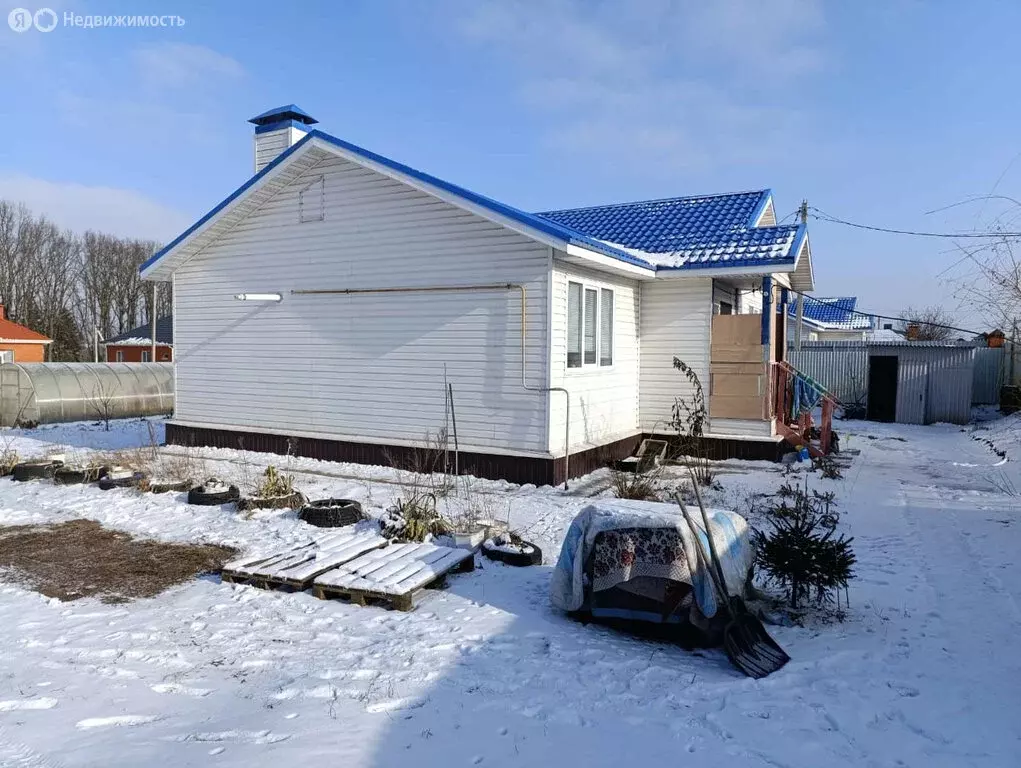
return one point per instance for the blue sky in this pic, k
(875, 112)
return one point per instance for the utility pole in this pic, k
(152, 320)
(799, 314)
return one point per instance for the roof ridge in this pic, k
(656, 200)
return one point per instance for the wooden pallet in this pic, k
(297, 567)
(393, 576)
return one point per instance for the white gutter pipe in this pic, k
(454, 289)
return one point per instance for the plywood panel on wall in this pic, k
(736, 339)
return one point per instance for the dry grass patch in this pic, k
(81, 558)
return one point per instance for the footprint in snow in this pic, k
(20, 705)
(181, 689)
(116, 720)
(236, 737)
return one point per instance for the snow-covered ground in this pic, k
(923, 671)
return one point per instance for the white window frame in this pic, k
(146, 355)
(598, 288)
(119, 356)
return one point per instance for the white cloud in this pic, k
(663, 85)
(122, 212)
(182, 65)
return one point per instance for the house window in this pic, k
(145, 355)
(589, 326)
(726, 308)
(591, 297)
(120, 355)
(606, 327)
(574, 325)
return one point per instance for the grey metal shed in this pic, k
(909, 382)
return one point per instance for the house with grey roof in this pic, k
(344, 305)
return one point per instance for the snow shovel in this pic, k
(746, 642)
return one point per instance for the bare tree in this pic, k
(68, 286)
(932, 323)
(101, 401)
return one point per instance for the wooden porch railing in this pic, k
(798, 430)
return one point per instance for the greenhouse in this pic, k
(46, 393)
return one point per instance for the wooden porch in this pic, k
(751, 390)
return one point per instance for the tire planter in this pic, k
(76, 475)
(202, 498)
(291, 501)
(131, 481)
(35, 470)
(520, 559)
(179, 486)
(332, 513)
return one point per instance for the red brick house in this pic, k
(135, 346)
(19, 344)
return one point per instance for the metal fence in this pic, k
(841, 367)
(990, 375)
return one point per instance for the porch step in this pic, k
(794, 437)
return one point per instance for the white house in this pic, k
(323, 305)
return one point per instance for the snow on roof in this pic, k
(142, 335)
(837, 313)
(689, 232)
(883, 334)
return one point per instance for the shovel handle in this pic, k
(703, 557)
(709, 533)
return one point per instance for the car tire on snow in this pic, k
(71, 476)
(35, 470)
(519, 559)
(181, 486)
(332, 513)
(131, 481)
(200, 497)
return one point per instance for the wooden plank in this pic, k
(331, 558)
(393, 575)
(735, 407)
(298, 566)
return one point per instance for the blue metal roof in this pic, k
(838, 312)
(714, 231)
(688, 232)
(286, 112)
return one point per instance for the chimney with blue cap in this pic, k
(276, 130)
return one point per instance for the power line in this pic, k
(823, 216)
(882, 317)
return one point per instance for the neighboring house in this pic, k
(19, 344)
(135, 346)
(322, 307)
(832, 319)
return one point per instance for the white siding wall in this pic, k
(270, 144)
(604, 400)
(365, 367)
(675, 321)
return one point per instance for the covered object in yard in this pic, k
(637, 560)
(45, 393)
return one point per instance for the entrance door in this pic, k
(882, 397)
